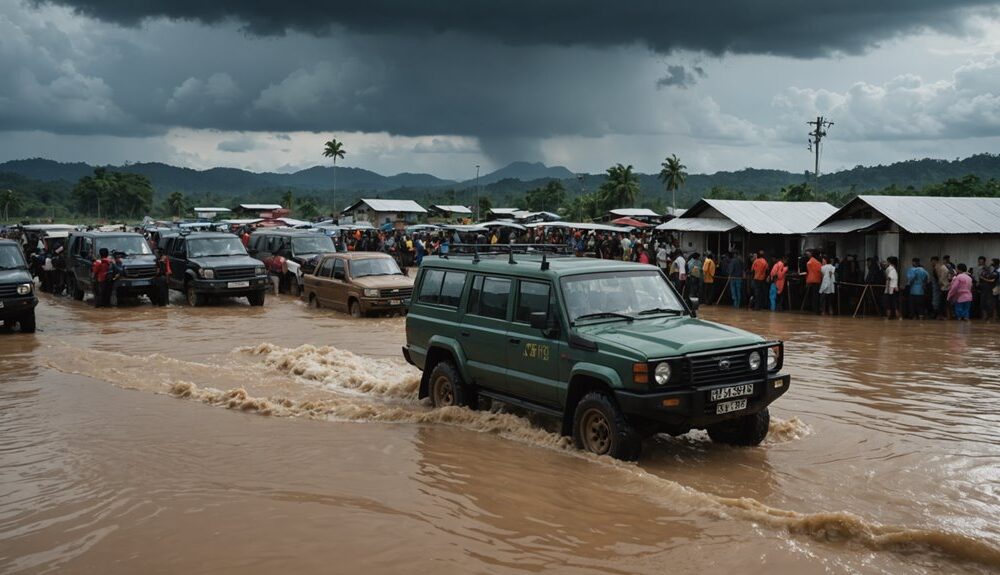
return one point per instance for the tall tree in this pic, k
(177, 203)
(288, 200)
(113, 194)
(334, 149)
(621, 188)
(546, 198)
(11, 200)
(673, 175)
(307, 208)
(485, 205)
(797, 193)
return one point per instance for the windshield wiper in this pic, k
(656, 310)
(8, 268)
(601, 314)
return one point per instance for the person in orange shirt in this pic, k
(777, 277)
(814, 277)
(708, 278)
(759, 268)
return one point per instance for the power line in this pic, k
(817, 135)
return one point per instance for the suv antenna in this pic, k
(545, 261)
(510, 257)
(475, 255)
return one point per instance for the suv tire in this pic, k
(747, 430)
(256, 299)
(314, 301)
(600, 427)
(27, 322)
(74, 289)
(194, 298)
(355, 308)
(293, 286)
(446, 388)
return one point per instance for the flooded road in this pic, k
(285, 439)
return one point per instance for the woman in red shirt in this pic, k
(778, 271)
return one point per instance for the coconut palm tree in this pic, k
(673, 175)
(177, 203)
(334, 149)
(621, 188)
(288, 200)
(10, 199)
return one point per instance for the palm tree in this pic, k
(334, 149)
(10, 199)
(288, 200)
(621, 188)
(177, 203)
(673, 175)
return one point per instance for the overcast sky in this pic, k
(438, 87)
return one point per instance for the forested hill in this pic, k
(510, 180)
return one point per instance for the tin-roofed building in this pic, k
(744, 225)
(913, 226)
(381, 212)
(451, 212)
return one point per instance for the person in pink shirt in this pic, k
(960, 293)
(778, 272)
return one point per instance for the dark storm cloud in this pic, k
(785, 27)
(680, 76)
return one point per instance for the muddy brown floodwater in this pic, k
(289, 440)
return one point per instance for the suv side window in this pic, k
(430, 286)
(532, 297)
(489, 297)
(339, 267)
(451, 289)
(325, 269)
(179, 247)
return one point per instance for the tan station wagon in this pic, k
(358, 283)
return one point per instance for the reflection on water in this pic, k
(886, 423)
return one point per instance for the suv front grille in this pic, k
(708, 370)
(396, 293)
(234, 273)
(140, 272)
(8, 290)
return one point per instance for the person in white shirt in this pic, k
(892, 288)
(661, 257)
(827, 287)
(678, 271)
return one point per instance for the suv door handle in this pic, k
(465, 334)
(514, 340)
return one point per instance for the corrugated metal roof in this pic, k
(766, 217)
(934, 215)
(698, 225)
(211, 209)
(260, 206)
(634, 212)
(453, 209)
(846, 226)
(395, 206)
(503, 211)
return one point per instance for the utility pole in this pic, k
(817, 135)
(479, 217)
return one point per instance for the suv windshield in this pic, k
(317, 245)
(374, 267)
(10, 258)
(211, 247)
(129, 245)
(619, 295)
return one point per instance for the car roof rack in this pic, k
(476, 251)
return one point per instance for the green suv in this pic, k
(607, 347)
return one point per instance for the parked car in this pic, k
(205, 264)
(607, 347)
(289, 254)
(359, 283)
(139, 263)
(17, 289)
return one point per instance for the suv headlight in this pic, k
(259, 270)
(662, 373)
(773, 355)
(371, 292)
(206, 273)
(754, 360)
(24, 289)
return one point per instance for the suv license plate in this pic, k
(731, 392)
(395, 302)
(730, 406)
(235, 285)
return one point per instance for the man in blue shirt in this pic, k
(917, 278)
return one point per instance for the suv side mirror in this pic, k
(539, 320)
(693, 303)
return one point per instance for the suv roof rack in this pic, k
(475, 251)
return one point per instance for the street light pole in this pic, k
(479, 216)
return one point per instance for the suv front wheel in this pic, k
(447, 387)
(600, 427)
(747, 430)
(194, 298)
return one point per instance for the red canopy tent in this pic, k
(626, 221)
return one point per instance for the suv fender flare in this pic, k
(439, 345)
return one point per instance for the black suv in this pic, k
(17, 290)
(213, 264)
(139, 263)
(289, 254)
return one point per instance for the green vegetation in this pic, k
(673, 175)
(334, 149)
(113, 194)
